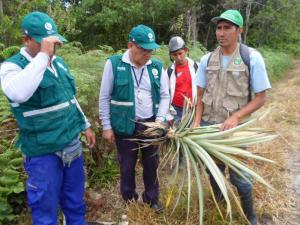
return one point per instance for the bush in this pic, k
(8, 52)
(276, 62)
(12, 177)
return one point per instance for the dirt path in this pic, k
(285, 98)
(294, 156)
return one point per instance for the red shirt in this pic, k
(183, 86)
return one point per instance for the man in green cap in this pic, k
(226, 78)
(134, 89)
(41, 92)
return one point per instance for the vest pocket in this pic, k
(51, 128)
(121, 119)
(122, 85)
(71, 82)
(230, 104)
(207, 106)
(47, 92)
(237, 83)
(211, 77)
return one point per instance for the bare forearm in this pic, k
(252, 106)
(199, 107)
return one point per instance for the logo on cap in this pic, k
(48, 26)
(150, 36)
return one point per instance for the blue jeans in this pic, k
(244, 188)
(177, 117)
(51, 184)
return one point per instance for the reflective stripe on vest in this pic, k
(121, 103)
(48, 109)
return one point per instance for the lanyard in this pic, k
(136, 80)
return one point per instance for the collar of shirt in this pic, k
(126, 59)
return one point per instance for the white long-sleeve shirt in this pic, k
(20, 84)
(144, 108)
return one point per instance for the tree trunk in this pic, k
(1, 8)
(191, 23)
(194, 26)
(248, 13)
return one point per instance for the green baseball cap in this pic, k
(231, 15)
(143, 36)
(39, 25)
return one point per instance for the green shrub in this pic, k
(12, 177)
(2, 46)
(8, 52)
(276, 62)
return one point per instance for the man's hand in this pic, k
(230, 122)
(90, 138)
(48, 45)
(195, 124)
(109, 135)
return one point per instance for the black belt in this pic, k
(151, 119)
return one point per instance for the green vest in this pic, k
(49, 119)
(122, 105)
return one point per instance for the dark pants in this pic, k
(177, 117)
(244, 188)
(127, 156)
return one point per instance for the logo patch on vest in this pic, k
(121, 68)
(237, 61)
(155, 72)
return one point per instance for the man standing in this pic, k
(225, 81)
(41, 92)
(182, 75)
(134, 89)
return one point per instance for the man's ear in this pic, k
(241, 30)
(25, 39)
(129, 44)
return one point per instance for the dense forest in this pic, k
(267, 22)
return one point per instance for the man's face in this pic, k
(139, 56)
(179, 56)
(32, 47)
(227, 33)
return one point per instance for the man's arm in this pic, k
(104, 101)
(19, 84)
(199, 107)
(245, 111)
(200, 81)
(164, 98)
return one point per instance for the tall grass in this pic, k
(276, 62)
